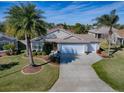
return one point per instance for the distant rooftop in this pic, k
(121, 33)
(102, 30)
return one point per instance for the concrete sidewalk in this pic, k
(79, 76)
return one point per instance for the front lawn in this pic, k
(111, 70)
(11, 78)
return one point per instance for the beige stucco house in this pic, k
(67, 42)
(102, 32)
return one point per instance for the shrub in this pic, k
(121, 46)
(44, 53)
(16, 52)
(22, 51)
(47, 47)
(10, 49)
(34, 50)
(34, 53)
(39, 53)
(104, 44)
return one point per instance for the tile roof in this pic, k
(121, 33)
(71, 38)
(75, 38)
(102, 30)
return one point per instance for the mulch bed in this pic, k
(31, 70)
(102, 54)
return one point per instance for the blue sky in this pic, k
(72, 12)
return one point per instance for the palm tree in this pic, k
(108, 20)
(27, 21)
(2, 28)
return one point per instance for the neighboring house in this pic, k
(102, 32)
(119, 37)
(7, 40)
(67, 42)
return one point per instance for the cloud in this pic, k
(83, 12)
(74, 6)
(77, 11)
(106, 8)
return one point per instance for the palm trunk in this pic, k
(109, 40)
(30, 52)
(27, 53)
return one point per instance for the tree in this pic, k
(108, 20)
(2, 28)
(80, 28)
(27, 21)
(65, 26)
(119, 26)
(50, 25)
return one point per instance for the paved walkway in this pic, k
(79, 76)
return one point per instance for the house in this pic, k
(120, 37)
(67, 42)
(102, 32)
(7, 40)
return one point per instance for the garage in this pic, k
(78, 48)
(72, 48)
(69, 51)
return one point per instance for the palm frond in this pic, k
(25, 18)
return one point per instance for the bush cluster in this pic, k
(10, 49)
(34, 53)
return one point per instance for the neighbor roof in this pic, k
(102, 30)
(121, 33)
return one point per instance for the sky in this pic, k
(71, 12)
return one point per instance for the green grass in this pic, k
(13, 80)
(111, 70)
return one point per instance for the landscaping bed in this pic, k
(111, 70)
(27, 70)
(46, 59)
(11, 78)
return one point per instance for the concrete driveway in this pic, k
(78, 75)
